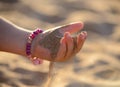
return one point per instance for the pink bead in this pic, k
(39, 31)
(28, 44)
(35, 32)
(30, 39)
(28, 48)
(37, 61)
(28, 52)
(32, 36)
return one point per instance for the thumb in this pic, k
(71, 28)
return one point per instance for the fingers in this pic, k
(62, 51)
(80, 40)
(72, 28)
(69, 45)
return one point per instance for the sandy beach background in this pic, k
(96, 65)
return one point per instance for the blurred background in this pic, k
(96, 65)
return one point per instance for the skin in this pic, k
(13, 39)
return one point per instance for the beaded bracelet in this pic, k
(35, 60)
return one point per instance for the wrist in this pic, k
(30, 46)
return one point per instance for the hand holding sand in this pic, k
(58, 44)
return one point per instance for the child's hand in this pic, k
(57, 44)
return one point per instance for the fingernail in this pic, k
(83, 34)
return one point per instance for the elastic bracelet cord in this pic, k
(35, 60)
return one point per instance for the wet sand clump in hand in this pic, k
(52, 41)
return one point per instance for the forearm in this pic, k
(12, 38)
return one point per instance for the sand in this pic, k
(96, 65)
(52, 37)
